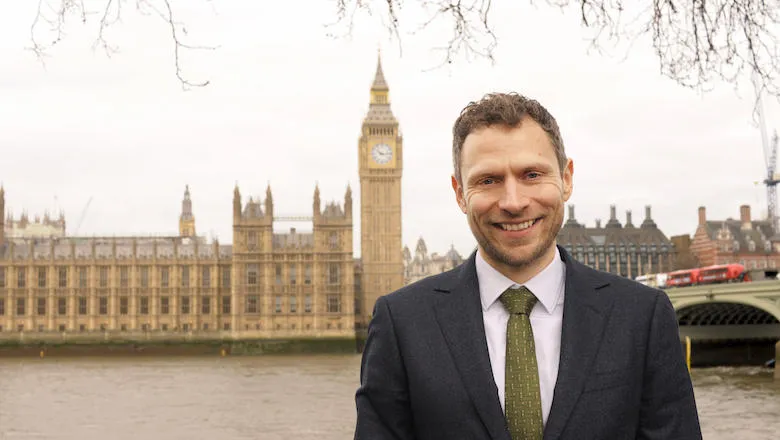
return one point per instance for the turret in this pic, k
(348, 202)
(269, 202)
(186, 220)
(236, 204)
(316, 210)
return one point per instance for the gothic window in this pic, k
(307, 274)
(251, 304)
(41, 277)
(21, 274)
(334, 304)
(205, 277)
(185, 276)
(124, 276)
(251, 274)
(225, 277)
(145, 276)
(62, 273)
(103, 272)
(333, 273)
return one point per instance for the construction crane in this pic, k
(770, 156)
(81, 218)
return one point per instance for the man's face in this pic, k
(513, 195)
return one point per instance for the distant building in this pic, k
(749, 242)
(626, 250)
(38, 227)
(423, 265)
(684, 258)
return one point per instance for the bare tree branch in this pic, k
(52, 18)
(697, 42)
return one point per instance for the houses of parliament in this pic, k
(263, 284)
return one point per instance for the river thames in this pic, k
(269, 398)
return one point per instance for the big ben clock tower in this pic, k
(380, 153)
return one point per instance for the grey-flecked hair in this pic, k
(506, 109)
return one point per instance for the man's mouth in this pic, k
(517, 226)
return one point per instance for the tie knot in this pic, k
(518, 301)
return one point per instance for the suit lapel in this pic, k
(459, 314)
(585, 314)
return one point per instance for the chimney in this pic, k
(702, 215)
(613, 221)
(648, 222)
(598, 223)
(571, 212)
(744, 216)
(628, 219)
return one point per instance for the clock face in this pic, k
(382, 153)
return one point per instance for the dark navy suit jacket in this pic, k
(426, 371)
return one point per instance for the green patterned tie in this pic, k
(523, 403)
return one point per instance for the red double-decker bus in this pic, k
(723, 273)
(682, 278)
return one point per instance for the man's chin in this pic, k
(521, 255)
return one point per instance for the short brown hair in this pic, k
(507, 109)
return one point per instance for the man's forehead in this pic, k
(520, 141)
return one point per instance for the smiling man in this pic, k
(521, 341)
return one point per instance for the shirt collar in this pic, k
(547, 285)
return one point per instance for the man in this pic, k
(521, 341)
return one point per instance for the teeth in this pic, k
(517, 226)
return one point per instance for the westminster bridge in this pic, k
(730, 323)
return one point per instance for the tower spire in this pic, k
(186, 220)
(379, 77)
(379, 109)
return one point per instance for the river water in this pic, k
(269, 398)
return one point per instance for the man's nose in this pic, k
(515, 197)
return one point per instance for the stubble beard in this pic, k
(499, 256)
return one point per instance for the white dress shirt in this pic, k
(546, 321)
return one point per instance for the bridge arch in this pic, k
(726, 311)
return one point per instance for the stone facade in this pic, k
(626, 250)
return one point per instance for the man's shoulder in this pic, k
(620, 286)
(421, 289)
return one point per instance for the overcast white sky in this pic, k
(286, 103)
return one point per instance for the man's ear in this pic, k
(568, 180)
(458, 194)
